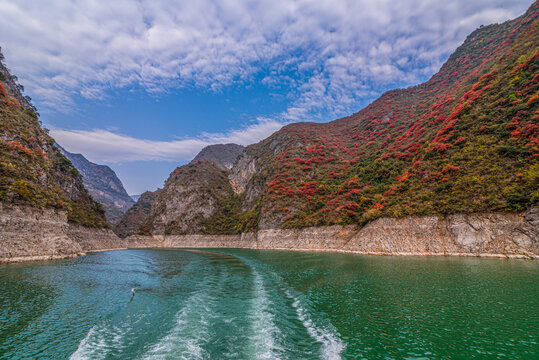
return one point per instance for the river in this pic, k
(250, 304)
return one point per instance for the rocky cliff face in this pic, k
(33, 172)
(197, 198)
(30, 233)
(484, 235)
(103, 184)
(191, 195)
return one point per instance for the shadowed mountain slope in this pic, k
(103, 184)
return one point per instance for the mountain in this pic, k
(33, 171)
(45, 210)
(466, 141)
(103, 184)
(132, 220)
(194, 190)
(222, 155)
(135, 197)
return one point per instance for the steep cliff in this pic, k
(44, 208)
(503, 235)
(191, 200)
(33, 233)
(32, 169)
(103, 184)
(464, 142)
(197, 198)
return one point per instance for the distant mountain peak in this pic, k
(103, 184)
(222, 155)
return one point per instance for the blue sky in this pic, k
(143, 85)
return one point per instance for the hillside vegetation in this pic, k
(465, 141)
(33, 171)
(131, 221)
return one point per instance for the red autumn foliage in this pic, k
(16, 146)
(450, 169)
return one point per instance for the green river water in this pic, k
(249, 304)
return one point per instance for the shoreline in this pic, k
(31, 258)
(356, 252)
(21, 259)
(34, 235)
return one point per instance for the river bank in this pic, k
(30, 234)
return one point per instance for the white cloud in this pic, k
(100, 145)
(332, 52)
(61, 48)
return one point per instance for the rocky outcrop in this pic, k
(143, 241)
(243, 170)
(30, 233)
(206, 241)
(94, 239)
(12, 86)
(460, 234)
(222, 155)
(190, 196)
(40, 234)
(488, 235)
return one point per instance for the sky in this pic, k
(143, 86)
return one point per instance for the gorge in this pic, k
(447, 167)
(406, 230)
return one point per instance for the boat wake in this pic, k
(265, 332)
(319, 329)
(238, 308)
(332, 346)
(100, 341)
(186, 340)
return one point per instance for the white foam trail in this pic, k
(186, 339)
(84, 349)
(332, 346)
(99, 342)
(264, 329)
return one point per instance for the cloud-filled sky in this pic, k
(143, 85)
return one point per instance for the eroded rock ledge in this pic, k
(490, 235)
(41, 234)
(27, 234)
